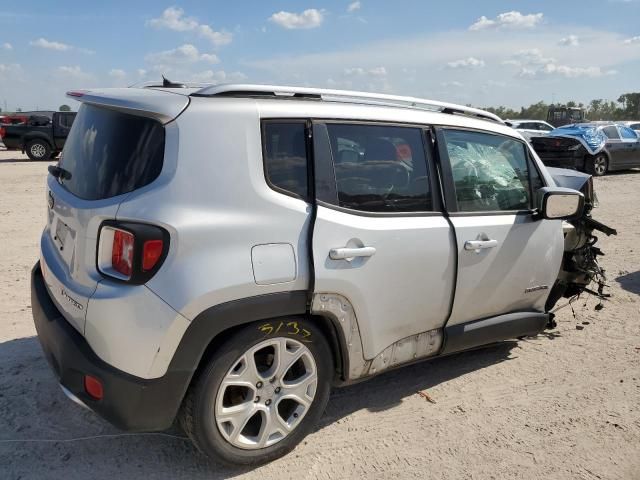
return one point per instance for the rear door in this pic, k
(108, 154)
(62, 123)
(631, 142)
(379, 237)
(616, 148)
(507, 259)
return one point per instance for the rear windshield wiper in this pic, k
(59, 172)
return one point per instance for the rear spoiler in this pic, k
(161, 105)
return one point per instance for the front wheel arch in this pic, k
(593, 167)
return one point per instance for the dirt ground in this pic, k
(565, 404)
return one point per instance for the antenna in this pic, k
(166, 83)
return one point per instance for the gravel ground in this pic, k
(562, 405)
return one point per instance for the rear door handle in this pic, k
(480, 244)
(349, 254)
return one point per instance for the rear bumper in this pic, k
(129, 402)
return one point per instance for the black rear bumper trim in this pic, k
(130, 403)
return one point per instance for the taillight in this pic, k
(131, 252)
(2, 130)
(122, 252)
(151, 253)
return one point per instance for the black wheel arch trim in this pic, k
(213, 321)
(37, 136)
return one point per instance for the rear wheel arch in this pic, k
(215, 325)
(43, 145)
(323, 324)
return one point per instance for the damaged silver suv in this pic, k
(223, 255)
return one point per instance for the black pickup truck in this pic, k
(41, 136)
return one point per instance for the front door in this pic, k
(507, 259)
(631, 144)
(379, 238)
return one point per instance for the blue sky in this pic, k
(483, 53)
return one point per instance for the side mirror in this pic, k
(556, 203)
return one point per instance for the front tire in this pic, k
(261, 393)
(598, 165)
(38, 150)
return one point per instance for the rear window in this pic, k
(109, 153)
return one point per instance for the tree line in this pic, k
(627, 107)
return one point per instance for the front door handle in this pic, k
(349, 254)
(480, 244)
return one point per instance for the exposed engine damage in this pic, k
(580, 266)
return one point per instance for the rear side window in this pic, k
(285, 157)
(109, 153)
(66, 120)
(491, 172)
(628, 134)
(380, 168)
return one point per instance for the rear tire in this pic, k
(261, 392)
(598, 165)
(38, 150)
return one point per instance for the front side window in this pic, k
(611, 133)
(380, 168)
(285, 157)
(491, 172)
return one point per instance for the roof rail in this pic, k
(347, 96)
(163, 84)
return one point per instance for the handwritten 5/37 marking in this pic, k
(287, 328)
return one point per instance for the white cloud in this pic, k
(6, 46)
(141, 72)
(74, 72)
(574, 72)
(117, 73)
(173, 18)
(631, 40)
(528, 57)
(184, 54)
(310, 18)
(49, 45)
(353, 6)
(564, 71)
(453, 83)
(10, 68)
(570, 41)
(58, 46)
(533, 64)
(218, 76)
(469, 62)
(359, 71)
(513, 19)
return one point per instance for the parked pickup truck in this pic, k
(41, 137)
